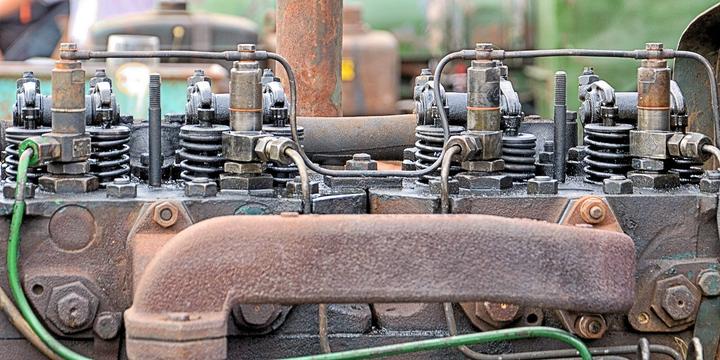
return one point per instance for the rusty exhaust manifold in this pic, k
(182, 300)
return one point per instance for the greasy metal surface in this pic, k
(350, 264)
(309, 36)
(337, 138)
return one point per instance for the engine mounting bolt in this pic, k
(709, 282)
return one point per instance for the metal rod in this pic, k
(444, 178)
(560, 136)
(154, 133)
(224, 55)
(323, 328)
(304, 179)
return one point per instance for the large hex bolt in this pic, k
(165, 214)
(542, 185)
(121, 188)
(72, 307)
(709, 282)
(501, 312)
(679, 302)
(617, 185)
(200, 187)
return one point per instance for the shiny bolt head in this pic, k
(679, 302)
(709, 282)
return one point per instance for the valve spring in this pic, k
(429, 144)
(110, 157)
(283, 173)
(13, 137)
(688, 170)
(608, 151)
(201, 151)
(518, 152)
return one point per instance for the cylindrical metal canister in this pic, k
(68, 89)
(483, 102)
(246, 94)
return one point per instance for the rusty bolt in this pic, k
(593, 211)
(166, 214)
(256, 315)
(679, 302)
(73, 310)
(501, 312)
(591, 326)
(72, 307)
(709, 282)
(107, 325)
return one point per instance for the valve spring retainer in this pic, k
(14, 136)
(110, 157)
(200, 155)
(689, 170)
(518, 152)
(283, 173)
(608, 151)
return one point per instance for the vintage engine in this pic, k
(224, 239)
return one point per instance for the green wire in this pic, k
(455, 341)
(12, 263)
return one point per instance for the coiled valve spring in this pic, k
(608, 151)
(518, 152)
(110, 157)
(201, 151)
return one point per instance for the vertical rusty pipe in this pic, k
(309, 36)
(154, 133)
(68, 89)
(653, 83)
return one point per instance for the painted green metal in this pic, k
(611, 24)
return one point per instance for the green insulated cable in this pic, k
(455, 341)
(13, 248)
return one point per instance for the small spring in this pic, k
(201, 151)
(429, 144)
(518, 152)
(13, 137)
(608, 151)
(283, 173)
(687, 169)
(110, 157)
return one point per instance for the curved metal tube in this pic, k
(296, 259)
(304, 179)
(445, 178)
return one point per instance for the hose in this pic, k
(556, 354)
(455, 341)
(304, 179)
(711, 149)
(13, 249)
(444, 178)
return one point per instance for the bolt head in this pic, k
(655, 46)
(201, 187)
(709, 282)
(165, 214)
(617, 184)
(542, 185)
(107, 325)
(71, 307)
(501, 312)
(679, 302)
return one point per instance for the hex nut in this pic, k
(542, 185)
(294, 186)
(469, 146)
(274, 150)
(165, 214)
(246, 182)
(710, 182)
(243, 168)
(649, 144)
(648, 164)
(487, 166)
(361, 161)
(201, 188)
(489, 144)
(653, 180)
(692, 144)
(591, 326)
(577, 153)
(501, 312)
(617, 184)
(240, 145)
(679, 302)
(593, 210)
(673, 144)
(107, 325)
(72, 307)
(72, 168)
(9, 190)
(121, 189)
(68, 184)
(72, 147)
(482, 181)
(709, 282)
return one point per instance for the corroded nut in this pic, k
(542, 185)
(469, 146)
(240, 145)
(617, 184)
(165, 214)
(679, 302)
(709, 282)
(692, 144)
(72, 307)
